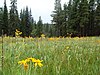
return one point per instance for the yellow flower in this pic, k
(31, 59)
(38, 62)
(27, 60)
(51, 39)
(67, 47)
(17, 30)
(25, 63)
(18, 33)
(22, 62)
(42, 35)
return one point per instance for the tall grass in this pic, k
(61, 56)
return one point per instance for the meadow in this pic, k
(56, 56)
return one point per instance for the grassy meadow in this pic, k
(58, 56)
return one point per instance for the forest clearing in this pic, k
(55, 56)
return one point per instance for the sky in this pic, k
(41, 8)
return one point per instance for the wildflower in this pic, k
(18, 33)
(27, 60)
(57, 38)
(31, 59)
(22, 62)
(98, 41)
(51, 39)
(38, 62)
(67, 47)
(42, 35)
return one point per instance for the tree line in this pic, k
(76, 18)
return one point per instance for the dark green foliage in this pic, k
(97, 19)
(28, 26)
(57, 18)
(48, 29)
(64, 21)
(70, 17)
(1, 20)
(14, 19)
(78, 18)
(26, 22)
(34, 29)
(39, 27)
(73, 16)
(91, 17)
(5, 20)
(83, 17)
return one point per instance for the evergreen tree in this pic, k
(1, 20)
(64, 20)
(26, 22)
(70, 14)
(83, 16)
(5, 19)
(91, 17)
(47, 29)
(39, 27)
(73, 17)
(57, 18)
(31, 20)
(13, 21)
(22, 22)
(97, 19)
(34, 29)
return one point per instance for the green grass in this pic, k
(65, 56)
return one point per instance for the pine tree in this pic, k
(64, 20)
(83, 16)
(39, 27)
(13, 24)
(31, 21)
(26, 21)
(70, 15)
(1, 20)
(91, 17)
(22, 22)
(57, 21)
(5, 19)
(34, 29)
(97, 19)
(73, 17)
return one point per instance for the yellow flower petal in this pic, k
(40, 64)
(35, 64)
(22, 62)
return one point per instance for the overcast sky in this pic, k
(41, 8)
